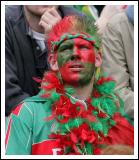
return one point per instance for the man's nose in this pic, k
(76, 54)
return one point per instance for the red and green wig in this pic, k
(73, 27)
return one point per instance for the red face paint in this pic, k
(76, 61)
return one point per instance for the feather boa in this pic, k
(81, 130)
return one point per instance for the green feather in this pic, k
(69, 90)
(88, 148)
(106, 88)
(112, 122)
(54, 96)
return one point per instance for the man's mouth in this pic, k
(76, 67)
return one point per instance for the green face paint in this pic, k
(65, 52)
(86, 75)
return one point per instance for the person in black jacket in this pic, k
(25, 50)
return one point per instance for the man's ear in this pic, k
(98, 59)
(52, 59)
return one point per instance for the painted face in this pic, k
(76, 61)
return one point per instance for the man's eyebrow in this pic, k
(66, 44)
(83, 43)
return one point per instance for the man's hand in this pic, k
(49, 19)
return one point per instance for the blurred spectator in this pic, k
(118, 52)
(25, 51)
(106, 14)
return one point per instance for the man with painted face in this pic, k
(76, 111)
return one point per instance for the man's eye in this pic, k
(65, 49)
(83, 47)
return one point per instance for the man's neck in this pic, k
(33, 21)
(84, 92)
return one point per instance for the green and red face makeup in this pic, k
(76, 61)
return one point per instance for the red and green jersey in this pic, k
(27, 131)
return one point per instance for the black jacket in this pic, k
(23, 57)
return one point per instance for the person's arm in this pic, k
(106, 14)
(18, 139)
(14, 93)
(115, 64)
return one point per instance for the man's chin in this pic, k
(79, 82)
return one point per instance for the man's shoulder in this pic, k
(37, 102)
(13, 12)
(118, 19)
(36, 99)
(31, 106)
